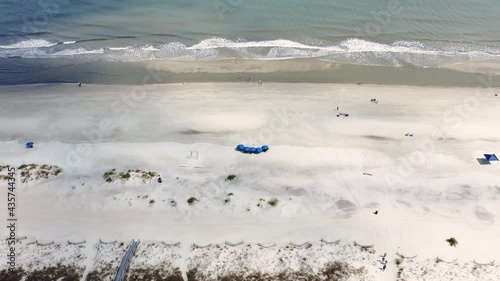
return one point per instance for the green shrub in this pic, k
(192, 200)
(273, 202)
(230, 177)
(173, 203)
(230, 194)
(125, 176)
(452, 241)
(151, 202)
(227, 200)
(108, 176)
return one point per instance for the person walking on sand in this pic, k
(383, 268)
(260, 82)
(337, 108)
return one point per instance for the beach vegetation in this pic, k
(452, 241)
(30, 172)
(125, 176)
(227, 200)
(146, 175)
(273, 202)
(57, 171)
(108, 176)
(151, 202)
(5, 178)
(192, 200)
(230, 194)
(230, 177)
(173, 203)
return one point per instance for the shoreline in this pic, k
(229, 70)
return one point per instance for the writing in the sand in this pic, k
(11, 218)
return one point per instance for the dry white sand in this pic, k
(427, 188)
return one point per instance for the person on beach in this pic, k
(79, 84)
(260, 82)
(337, 108)
(375, 213)
(159, 179)
(383, 268)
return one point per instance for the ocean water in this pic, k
(38, 36)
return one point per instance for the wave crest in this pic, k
(354, 51)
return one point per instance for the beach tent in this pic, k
(30, 144)
(240, 147)
(491, 157)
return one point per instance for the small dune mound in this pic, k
(113, 175)
(33, 172)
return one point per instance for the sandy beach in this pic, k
(414, 155)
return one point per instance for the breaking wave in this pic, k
(354, 51)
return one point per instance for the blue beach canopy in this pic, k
(258, 150)
(246, 149)
(491, 157)
(265, 148)
(29, 144)
(240, 147)
(252, 149)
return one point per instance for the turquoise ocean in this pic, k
(105, 41)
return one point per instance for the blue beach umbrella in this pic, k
(491, 157)
(30, 144)
(240, 147)
(265, 148)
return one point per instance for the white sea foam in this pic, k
(79, 51)
(32, 43)
(356, 51)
